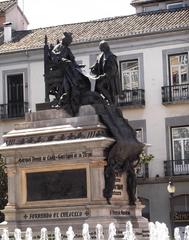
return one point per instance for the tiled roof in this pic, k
(4, 5)
(110, 28)
(1, 32)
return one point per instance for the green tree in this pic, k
(3, 187)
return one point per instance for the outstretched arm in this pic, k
(56, 49)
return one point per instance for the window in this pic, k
(177, 135)
(140, 128)
(132, 80)
(178, 68)
(180, 149)
(176, 75)
(15, 94)
(180, 143)
(175, 5)
(181, 203)
(139, 134)
(142, 169)
(129, 74)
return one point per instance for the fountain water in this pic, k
(158, 231)
(165, 232)
(162, 232)
(70, 233)
(99, 232)
(17, 234)
(5, 235)
(57, 233)
(152, 230)
(85, 232)
(112, 231)
(129, 234)
(44, 234)
(28, 235)
(177, 234)
(186, 233)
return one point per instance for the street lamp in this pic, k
(171, 190)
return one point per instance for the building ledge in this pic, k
(159, 180)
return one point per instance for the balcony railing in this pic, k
(175, 93)
(13, 110)
(134, 97)
(176, 167)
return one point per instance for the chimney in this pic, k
(7, 32)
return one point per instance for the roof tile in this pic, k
(110, 28)
(6, 4)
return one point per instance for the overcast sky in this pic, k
(43, 13)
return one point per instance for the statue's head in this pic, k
(103, 46)
(67, 38)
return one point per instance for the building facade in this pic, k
(152, 49)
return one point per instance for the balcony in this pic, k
(134, 97)
(13, 110)
(176, 167)
(175, 93)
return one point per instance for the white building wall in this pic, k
(154, 111)
(36, 79)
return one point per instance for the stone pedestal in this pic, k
(55, 166)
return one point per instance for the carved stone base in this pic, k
(51, 148)
(76, 216)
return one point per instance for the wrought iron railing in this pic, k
(13, 110)
(176, 167)
(131, 97)
(175, 93)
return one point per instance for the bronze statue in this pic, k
(69, 81)
(107, 74)
(71, 88)
(123, 155)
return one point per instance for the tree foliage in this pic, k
(3, 187)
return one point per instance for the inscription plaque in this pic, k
(55, 185)
(118, 188)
